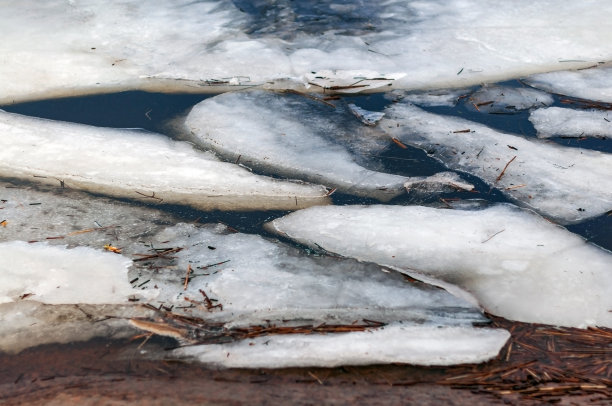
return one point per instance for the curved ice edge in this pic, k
(394, 343)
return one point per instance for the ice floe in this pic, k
(565, 184)
(67, 48)
(249, 281)
(517, 264)
(138, 165)
(297, 137)
(588, 84)
(562, 122)
(504, 99)
(395, 343)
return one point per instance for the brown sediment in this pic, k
(540, 364)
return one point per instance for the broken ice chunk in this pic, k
(588, 84)
(517, 264)
(438, 183)
(294, 136)
(395, 343)
(138, 165)
(562, 122)
(58, 275)
(504, 99)
(565, 184)
(255, 280)
(367, 117)
(440, 97)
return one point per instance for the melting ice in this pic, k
(220, 45)
(256, 281)
(517, 264)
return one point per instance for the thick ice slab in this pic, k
(561, 122)
(67, 48)
(504, 99)
(293, 136)
(138, 165)
(396, 343)
(517, 264)
(589, 84)
(565, 184)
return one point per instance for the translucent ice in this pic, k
(504, 99)
(517, 264)
(562, 122)
(255, 280)
(565, 184)
(138, 165)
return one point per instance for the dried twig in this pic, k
(504, 170)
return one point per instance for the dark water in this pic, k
(150, 111)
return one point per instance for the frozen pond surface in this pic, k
(174, 215)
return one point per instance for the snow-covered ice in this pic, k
(67, 48)
(138, 165)
(563, 122)
(565, 184)
(517, 264)
(588, 84)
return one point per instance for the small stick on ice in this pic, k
(504, 171)
(187, 276)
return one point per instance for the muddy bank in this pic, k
(539, 364)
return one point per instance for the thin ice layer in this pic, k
(562, 122)
(27, 323)
(138, 165)
(57, 275)
(294, 136)
(66, 48)
(255, 280)
(566, 184)
(517, 264)
(589, 84)
(396, 343)
(505, 99)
